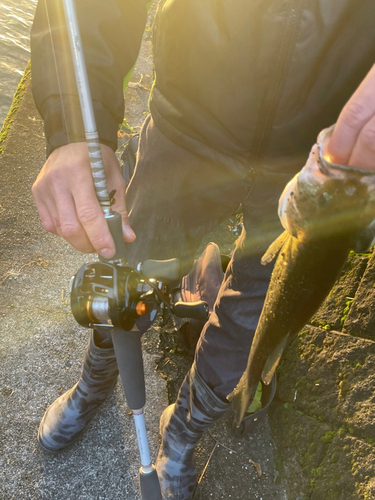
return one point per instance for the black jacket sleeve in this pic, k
(111, 33)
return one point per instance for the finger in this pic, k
(91, 217)
(47, 219)
(357, 112)
(46, 212)
(69, 227)
(120, 206)
(127, 232)
(363, 155)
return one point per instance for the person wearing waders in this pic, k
(241, 91)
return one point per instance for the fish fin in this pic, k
(272, 361)
(241, 398)
(274, 248)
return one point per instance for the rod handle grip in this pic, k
(114, 222)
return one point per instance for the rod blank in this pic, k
(91, 133)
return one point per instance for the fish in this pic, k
(327, 210)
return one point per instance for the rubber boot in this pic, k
(68, 416)
(181, 426)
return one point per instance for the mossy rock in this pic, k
(360, 321)
(330, 315)
(301, 446)
(347, 471)
(321, 462)
(331, 377)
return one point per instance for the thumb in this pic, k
(127, 231)
(116, 181)
(120, 207)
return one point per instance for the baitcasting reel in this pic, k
(108, 294)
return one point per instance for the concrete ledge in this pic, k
(20, 92)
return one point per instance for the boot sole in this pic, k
(51, 451)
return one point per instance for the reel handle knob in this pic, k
(195, 310)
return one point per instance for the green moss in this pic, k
(17, 98)
(126, 129)
(356, 364)
(303, 333)
(317, 472)
(327, 326)
(355, 254)
(328, 437)
(341, 432)
(324, 325)
(345, 313)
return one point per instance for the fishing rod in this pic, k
(108, 294)
(127, 345)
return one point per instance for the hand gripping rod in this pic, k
(91, 132)
(127, 344)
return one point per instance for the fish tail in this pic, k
(273, 361)
(244, 393)
(242, 397)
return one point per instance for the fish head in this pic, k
(325, 199)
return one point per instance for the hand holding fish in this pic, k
(324, 198)
(65, 196)
(344, 158)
